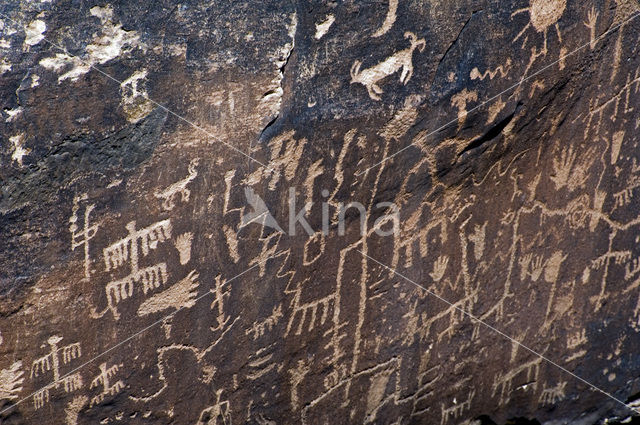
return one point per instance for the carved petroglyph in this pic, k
(401, 60)
(180, 295)
(460, 101)
(300, 309)
(286, 153)
(11, 381)
(183, 245)
(456, 410)
(135, 101)
(52, 362)
(138, 243)
(504, 382)
(553, 395)
(501, 70)
(259, 329)
(127, 250)
(389, 19)
(439, 268)
(82, 236)
(179, 189)
(103, 381)
(570, 170)
(72, 411)
(591, 22)
(218, 303)
(218, 414)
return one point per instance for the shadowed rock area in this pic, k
(320, 212)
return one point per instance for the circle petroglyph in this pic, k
(544, 13)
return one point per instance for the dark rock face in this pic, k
(155, 270)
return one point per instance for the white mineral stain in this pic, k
(34, 32)
(323, 27)
(19, 152)
(104, 47)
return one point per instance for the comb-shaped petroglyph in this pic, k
(129, 250)
(260, 328)
(503, 382)
(399, 61)
(456, 410)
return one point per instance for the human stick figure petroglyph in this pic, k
(52, 362)
(103, 379)
(403, 59)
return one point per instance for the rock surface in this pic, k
(149, 155)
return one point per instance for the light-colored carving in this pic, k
(104, 380)
(456, 410)
(73, 409)
(119, 290)
(389, 19)
(219, 302)
(53, 361)
(81, 237)
(179, 189)
(183, 245)
(504, 381)
(232, 242)
(439, 268)
(180, 295)
(616, 144)
(258, 329)
(218, 414)
(478, 237)
(401, 60)
(502, 70)
(551, 396)
(460, 100)
(136, 242)
(301, 309)
(591, 22)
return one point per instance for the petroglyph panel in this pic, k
(149, 273)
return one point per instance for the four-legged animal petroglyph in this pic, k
(178, 190)
(401, 60)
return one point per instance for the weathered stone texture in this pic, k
(137, 136)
